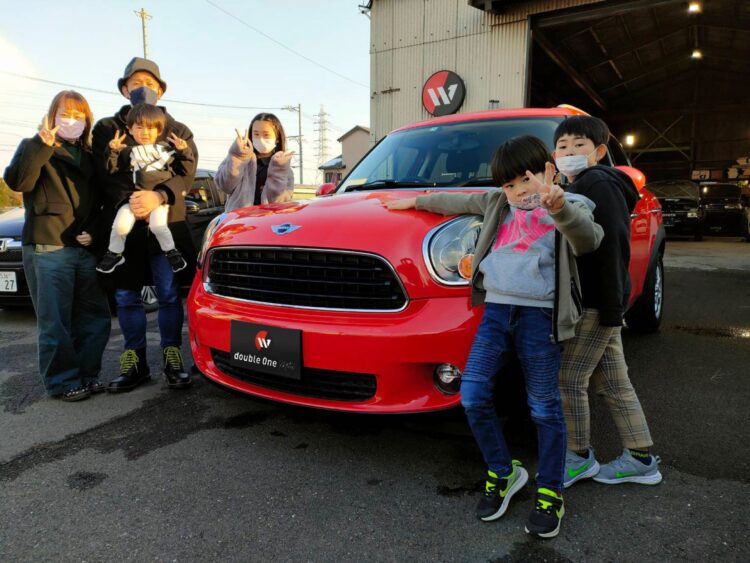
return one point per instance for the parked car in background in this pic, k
(724, 212)
(203, 202)
(339, 303)
(681, 207)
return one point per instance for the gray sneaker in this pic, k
(627, 469)
(577, 467)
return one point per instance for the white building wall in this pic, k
(412, 39)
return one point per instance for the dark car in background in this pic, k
(723, 210)
(203, 202)
(681, 207)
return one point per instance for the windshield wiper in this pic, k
(486, 181)
(390, 183)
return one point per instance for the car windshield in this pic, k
(721, 190)
(443, 155)
(674, 189)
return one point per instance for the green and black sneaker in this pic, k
(498, 492)
(544, 520)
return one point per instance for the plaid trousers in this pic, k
(595, 355)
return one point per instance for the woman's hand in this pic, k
(84, 239)
(243, 146)
(117, 144)
(179, 144)
(551, 196)
(282, 158)
(401, 204)
(46, 134)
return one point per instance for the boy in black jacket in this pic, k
(596, 353)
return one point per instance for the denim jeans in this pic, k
(132, 315)
(73, 318)
(527, 332)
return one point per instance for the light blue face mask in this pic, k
(573, 165)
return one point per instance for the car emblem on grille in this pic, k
(284, 228)
(4, 244)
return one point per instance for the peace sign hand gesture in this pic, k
(179, 144)
(282, 158)
(117, 144)
(46, 134)
(551, 196)
(243, 146)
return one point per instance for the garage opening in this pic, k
(671, 78)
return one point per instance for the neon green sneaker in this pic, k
(499, 490)
(578, 467)
(544, 521)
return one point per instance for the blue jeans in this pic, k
(132, 315)
(72, 315)
(527, 332)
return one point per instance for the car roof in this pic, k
(560, 111)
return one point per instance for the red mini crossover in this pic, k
(339, 303)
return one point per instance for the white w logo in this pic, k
(445, 97)
(264, 342)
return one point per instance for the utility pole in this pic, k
(144, 15)
(298, 109)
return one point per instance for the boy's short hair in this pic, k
(517, 155)
(587, 126)
(147, 115)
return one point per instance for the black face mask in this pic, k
(143, 95)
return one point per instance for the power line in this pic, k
(111, 93)
(283, 46)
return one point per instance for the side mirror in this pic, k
(191, 208)
(638, 177)
(325, 189)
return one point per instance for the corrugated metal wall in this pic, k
(412, 39)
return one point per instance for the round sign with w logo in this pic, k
(443, 93)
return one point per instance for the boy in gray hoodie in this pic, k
(524, 270)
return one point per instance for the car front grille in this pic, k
(11, 255)
(302, 277)
(317, 383)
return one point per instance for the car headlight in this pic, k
(733, 206)
(693, 212)
(448, 249)
(210, 228)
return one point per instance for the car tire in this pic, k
(646, 314)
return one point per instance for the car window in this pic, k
(617, 153)
(445, 155)
(201, 193)
(720, 190)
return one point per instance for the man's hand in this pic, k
(143, 202)
(84, 239)
(46, 134)
(401, 204)
(179, 144)
(117, 143)
(551, 196)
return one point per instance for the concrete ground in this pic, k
(204, 475)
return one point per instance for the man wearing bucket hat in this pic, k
(145, 263)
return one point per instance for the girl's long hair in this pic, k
(70, 99)
(277, 127)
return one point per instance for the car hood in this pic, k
(356, 221)
(11, 222)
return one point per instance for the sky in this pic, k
(205, 55)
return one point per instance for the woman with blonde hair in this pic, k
(55, 172)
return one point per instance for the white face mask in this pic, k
(264, 146)
(70, 128)
(573, 165)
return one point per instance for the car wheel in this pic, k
(646, 314)
(149, 298)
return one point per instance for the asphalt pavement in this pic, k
(207, 475)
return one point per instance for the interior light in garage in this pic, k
(695, 8)
(629, 140)
(697, 54)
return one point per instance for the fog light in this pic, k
(447, 378)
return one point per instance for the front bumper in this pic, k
(397, 352)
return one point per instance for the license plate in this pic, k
(8, 282)
(266, 349)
